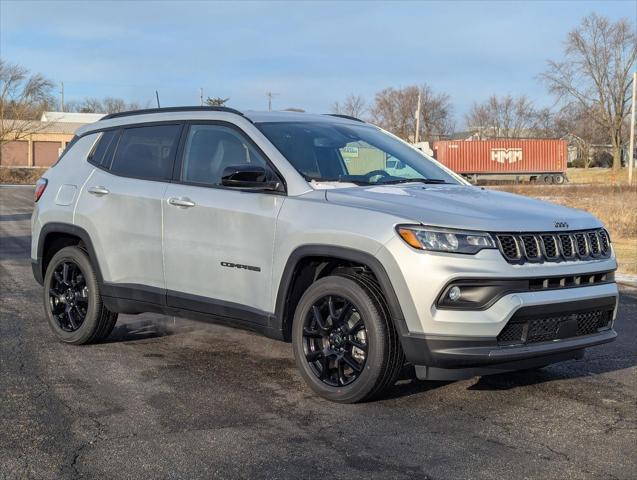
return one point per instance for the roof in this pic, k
(289, 116)
(207, 113)
(71, 117)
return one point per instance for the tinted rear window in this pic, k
(147, 152)
(96, 157)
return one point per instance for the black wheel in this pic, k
(558, 179)
(72, 299)
(345, 345)
(548, 179)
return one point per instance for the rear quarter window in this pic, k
(146, 152)
(105, 144)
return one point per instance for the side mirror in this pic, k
(247, 177)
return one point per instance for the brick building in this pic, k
(41, 145)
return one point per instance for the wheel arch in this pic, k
(330, 257)
(53, 237)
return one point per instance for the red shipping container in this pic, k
(502, 156)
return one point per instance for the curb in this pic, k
(14, 185)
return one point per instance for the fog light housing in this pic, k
(454, 294)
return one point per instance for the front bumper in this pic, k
(570, 328)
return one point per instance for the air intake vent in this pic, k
(554, 247)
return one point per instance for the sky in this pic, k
(309, 53)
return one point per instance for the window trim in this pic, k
(176, 176)
(107, 164)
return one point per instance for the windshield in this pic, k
(363, 155)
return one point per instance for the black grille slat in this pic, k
(531, 250)
(566, 245)
(545, 329)
(581, 244)
(593, 242)
(509, 247)
(550, 246)
(554, 247)
(604, 242)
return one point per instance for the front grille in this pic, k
(523, 331)
(554, 247)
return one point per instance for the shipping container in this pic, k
(543, 160)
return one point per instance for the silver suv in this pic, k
(321, 230)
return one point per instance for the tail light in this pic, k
(40, 187)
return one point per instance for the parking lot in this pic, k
(165, 397)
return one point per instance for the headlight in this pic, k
(444, 240)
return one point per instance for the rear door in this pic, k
(218, 242)
(121, 207)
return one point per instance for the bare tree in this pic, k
(395, 110)
(23, 98)
(595, 73)
(106, 105)
(216, 101)
(353, 105)
(578, 125)
(507, 117)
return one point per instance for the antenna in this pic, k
(270, 95)
(157, 97)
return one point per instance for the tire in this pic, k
(72, 301)
(547, 179)
(384, 358)
(558, 179)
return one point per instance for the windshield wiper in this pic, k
(419, 180)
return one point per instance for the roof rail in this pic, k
(171, 109)
(348, 117)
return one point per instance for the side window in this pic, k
(146, 152)
(209, 149)
(96, 157)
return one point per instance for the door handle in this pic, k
(99, 191)
(181, 202)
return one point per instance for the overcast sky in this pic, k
(311, 53)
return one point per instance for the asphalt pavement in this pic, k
(170, 398)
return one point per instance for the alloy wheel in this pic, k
(68, 296)
(335, 340)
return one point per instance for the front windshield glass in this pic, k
(364, 155)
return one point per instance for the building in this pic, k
(41, 142)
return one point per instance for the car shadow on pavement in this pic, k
(558, 371)
(144, 329)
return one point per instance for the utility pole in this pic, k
(201, 96)
(270, 95)
(61, 96)
(417, 119)
(631, 151)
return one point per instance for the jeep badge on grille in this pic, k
(561, 224)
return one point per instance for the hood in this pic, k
(464, 207)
